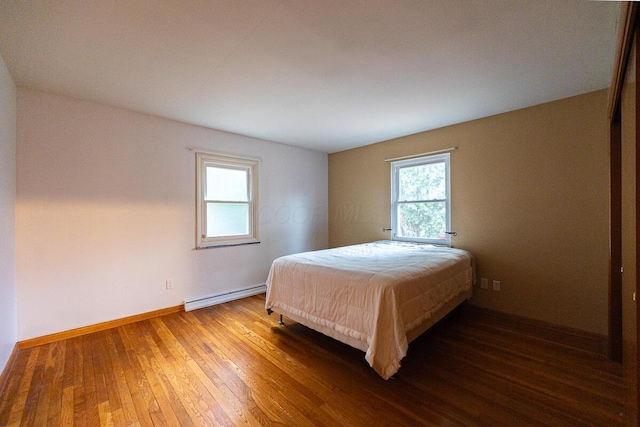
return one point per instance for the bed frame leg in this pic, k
(280, 322)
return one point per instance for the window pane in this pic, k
(226, 184)
(227, 219)
(422, 182)
(422, 220)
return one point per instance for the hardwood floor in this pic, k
(232, 364)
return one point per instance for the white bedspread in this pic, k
(373, 293)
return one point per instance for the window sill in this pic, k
(225, 245)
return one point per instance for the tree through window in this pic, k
(420, 209)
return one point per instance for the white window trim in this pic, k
(395, 167)
(251, 165)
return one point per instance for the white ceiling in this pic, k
(323, 74)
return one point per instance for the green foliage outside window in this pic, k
(422, 201)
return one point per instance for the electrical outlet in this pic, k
(169, 284)
(484, 283)
(496, 285)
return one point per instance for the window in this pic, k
(227, 195)
(420, 203)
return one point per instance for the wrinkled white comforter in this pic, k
(372, 293)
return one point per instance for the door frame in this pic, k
(629, 23)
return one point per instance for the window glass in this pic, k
(226, 184)
(226, 211)
(227, 219)
(420, 199)
(423, 182)
(422, 220)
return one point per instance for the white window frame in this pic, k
(395, 168)
(203, 160)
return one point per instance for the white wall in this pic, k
(8, 302)
(106, 212)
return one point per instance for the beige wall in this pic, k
(529, 199)
(8, 301)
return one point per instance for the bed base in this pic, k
(411, 334)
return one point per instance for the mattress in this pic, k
(372, 296)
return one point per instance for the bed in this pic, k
(377, 297)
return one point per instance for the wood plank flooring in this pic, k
(232, 364)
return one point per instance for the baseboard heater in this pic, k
(224, 297)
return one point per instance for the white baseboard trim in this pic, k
(224, 297)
